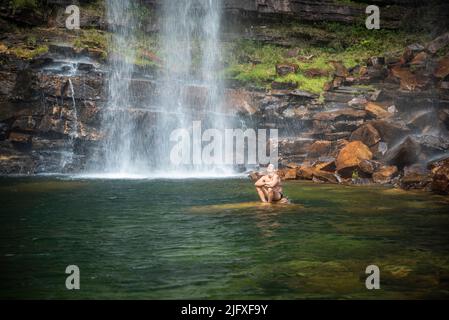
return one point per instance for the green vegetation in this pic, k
(24, 4)
(27, 52)
(253, 63)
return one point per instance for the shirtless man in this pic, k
(269, 186)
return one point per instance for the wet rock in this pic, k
(340, 69)
(432, 145)
(286, 68)
(440, 176)
(319, 148)
(367, 134)
(385, 174)
(284, 85)
(341, 114)
(369, 166)
(405, 153)
(390, 132)
(350, 156)
(438, 43)
(310, 173)
(415, 177)
(408, 80)
(423, 121)
(323, 176)
(443, 116)
(358, 101)
(287, 174)
(303, 94)
(442, 69)
(376, 111)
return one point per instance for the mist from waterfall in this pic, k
(188, 87)
(117, 121)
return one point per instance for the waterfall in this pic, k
(117, 121)
(189, 83)
(188, 88)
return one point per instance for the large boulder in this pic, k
(367, 134)
(405, 153)
(350, 157)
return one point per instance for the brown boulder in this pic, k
(376, 111)
(438, 43)
(440, 176)
(442, 69)
(287, 174)
(390, 132)
(409, 81)
(367, 134)
(350, 157)
(310, 173)
(385, 174)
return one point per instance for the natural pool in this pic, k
(162, 239)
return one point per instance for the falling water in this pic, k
(67, 156)
(190, 84)
(117, 120)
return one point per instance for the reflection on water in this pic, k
(212, 239)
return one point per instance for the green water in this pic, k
(166, 239)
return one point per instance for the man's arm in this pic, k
(261, 182)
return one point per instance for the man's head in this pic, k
(270, 170)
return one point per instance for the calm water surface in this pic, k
(164, 239)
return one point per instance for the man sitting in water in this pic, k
(269, 186)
